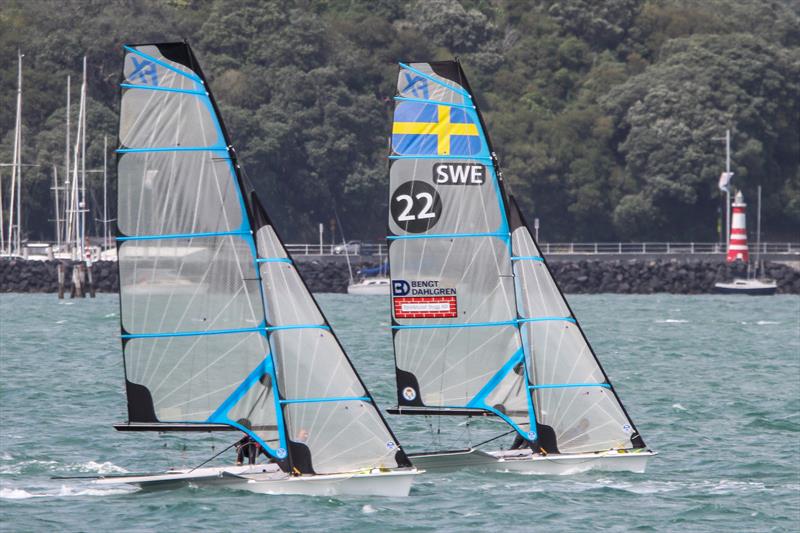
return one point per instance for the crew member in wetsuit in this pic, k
(247, 447)
(519, 442)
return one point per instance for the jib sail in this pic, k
(478, 322)
(217, 325)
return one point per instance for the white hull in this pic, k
(755, 287)
(571, 463)
(370, 287)
(396, 483)
(269, 479)
(527, 462)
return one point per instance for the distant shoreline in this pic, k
(579, 276)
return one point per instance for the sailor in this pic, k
(519, 442)
(248, 447)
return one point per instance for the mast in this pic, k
(106, 243)
(2, 229)
(82, 204)
(58, 218)
(16, 171)
(66, 165)
(74, 229)
(758, 232)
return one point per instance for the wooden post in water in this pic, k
(77, 281)
(60, 269)
(90, 279)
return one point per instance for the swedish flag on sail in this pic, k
(432, 129)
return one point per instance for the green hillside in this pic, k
(604, 114)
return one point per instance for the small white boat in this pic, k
(370, 287)
(752, 286)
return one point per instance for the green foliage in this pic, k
(603, 114)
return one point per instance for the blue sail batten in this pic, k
(546, 319)
(434, 102)
(274, 260)
(568, 386)
(500, 234)
(192, 333)
(458, 157)
(164, 89)
(298, 326)
(173, 149)
(323, 400)
(184, 235)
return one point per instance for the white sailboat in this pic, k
(755, 284)
(219, 331)
(372, 282)
(480, 327)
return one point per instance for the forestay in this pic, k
(217, 325)
(478, 320)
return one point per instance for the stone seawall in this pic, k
(575, 277)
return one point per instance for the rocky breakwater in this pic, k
(670, 276)
(19, 275)
(575, 277)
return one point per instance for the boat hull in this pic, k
(269, 479)
(525, 461)
(752, 287)
(572, 463)
(452, 460)
(392, 484)
(369, 289)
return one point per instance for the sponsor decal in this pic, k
(429, 287)
(425, 306)
(390, 445)
(531, 435)
(416, 206)
(627, 428)
(409, 393)
(459, 174)
(281, 453)
(400, 287)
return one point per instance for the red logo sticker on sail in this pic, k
(425, 307)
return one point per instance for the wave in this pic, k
(105, 467)
(63, 491)
(672, 321)
(35, 465)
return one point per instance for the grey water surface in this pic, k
(712, 382)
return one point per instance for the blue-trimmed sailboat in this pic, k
(219, 331)
(480, 326)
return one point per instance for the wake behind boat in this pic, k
(219, 331)
(480, 327)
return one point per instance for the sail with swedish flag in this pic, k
(480, 327)
(219, 331)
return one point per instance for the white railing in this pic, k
(338, 249)
(559, 248)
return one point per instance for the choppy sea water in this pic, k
(712, 382)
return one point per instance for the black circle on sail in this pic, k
(416, 206)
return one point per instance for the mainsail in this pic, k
(218, 328)
(479, 324)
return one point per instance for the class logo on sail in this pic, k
(422, 129)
